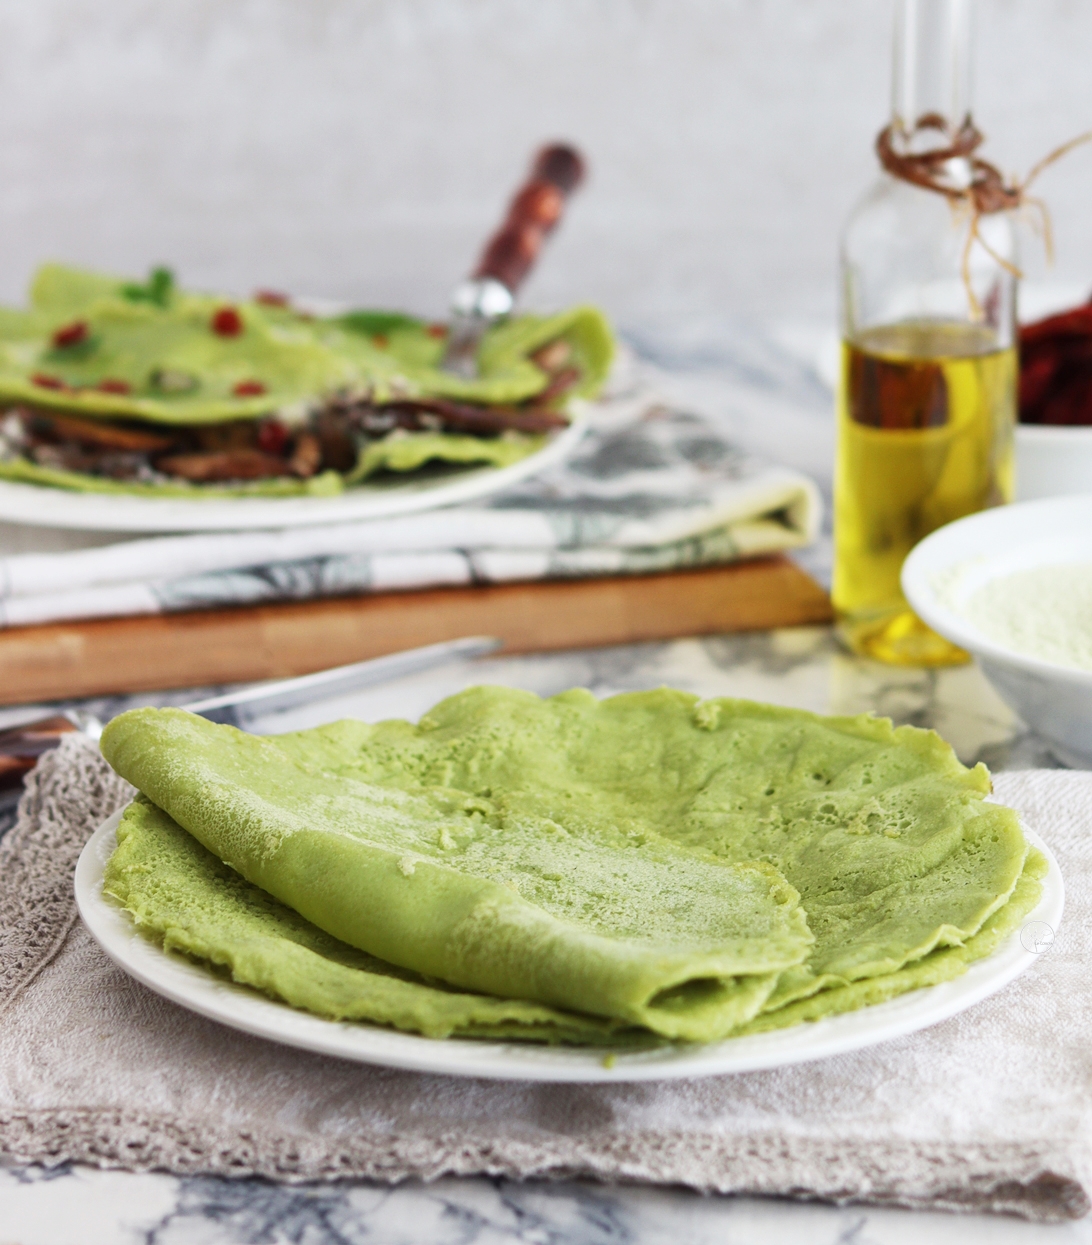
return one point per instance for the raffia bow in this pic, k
(984, 193)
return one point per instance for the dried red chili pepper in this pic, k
(45, 381)
(110, 385)
(1035, 380)
(248, 389)
(1056, 369)
(381, 340)
(74, 334)
(1076, 322)
(271, 298)
(226, 322)
(272, 436)
(437, 330)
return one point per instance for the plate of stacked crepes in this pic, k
(139, 406)
(565, 889)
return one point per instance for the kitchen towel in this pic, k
(991, 1110)
(649, 488)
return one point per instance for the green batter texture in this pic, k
(569, 869)
(197, 905)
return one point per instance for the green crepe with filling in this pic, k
(503, 898)
(138, 331)
(573, 806)
(296, 356)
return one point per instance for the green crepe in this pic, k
(137, 333)
(502, 897)
(940, 965)
(192, 902)
(590, 832)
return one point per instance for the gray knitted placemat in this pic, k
(991, 1110)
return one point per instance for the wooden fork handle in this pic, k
(532, 215)
(21, 747)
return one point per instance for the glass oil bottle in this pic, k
(927, 394)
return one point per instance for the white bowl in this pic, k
(1052, 462)
(944, 570)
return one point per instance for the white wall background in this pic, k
(361, 149)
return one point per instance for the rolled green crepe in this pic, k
(636, 858)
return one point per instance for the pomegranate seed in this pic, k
(437, 330)
(248, 389)
(47, 382)
(227, 322)
(272, 436)
(110, 385)
(271, 298)
(71, 334)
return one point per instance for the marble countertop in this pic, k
(763, 394)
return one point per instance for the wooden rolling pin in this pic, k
(109, 656)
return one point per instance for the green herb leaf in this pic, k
(372, 322)
(157, 289)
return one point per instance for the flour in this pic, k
(1045, 613)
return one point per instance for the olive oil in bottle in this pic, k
(927, 399)
(926, 413)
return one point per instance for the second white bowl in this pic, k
(1052, 462)
(942, 573)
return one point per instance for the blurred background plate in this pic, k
(108, 512)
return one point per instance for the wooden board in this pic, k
(107, 656)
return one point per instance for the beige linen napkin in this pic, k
(991, 1110)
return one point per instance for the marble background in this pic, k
(362, 149)
(113, 1208)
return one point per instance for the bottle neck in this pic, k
(932, 62)
(907, 257)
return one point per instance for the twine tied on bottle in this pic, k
(985, 192)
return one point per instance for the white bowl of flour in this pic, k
(1013, 586)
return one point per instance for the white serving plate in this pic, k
(106, 512)
(239, 1007)
(949, 565)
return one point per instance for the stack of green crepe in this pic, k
(649, 867)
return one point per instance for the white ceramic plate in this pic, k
(107, 512)
(241, 1008)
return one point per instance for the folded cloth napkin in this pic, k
(991, 1110)
(648, 489)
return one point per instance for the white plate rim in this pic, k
(239, 1007)
(46, 506)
